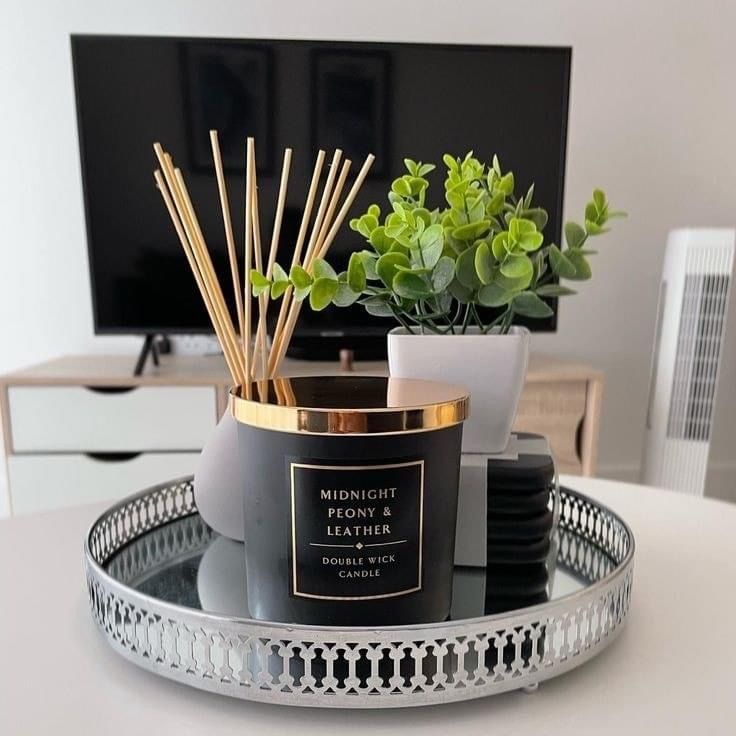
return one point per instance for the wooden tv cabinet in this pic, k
(84, 428)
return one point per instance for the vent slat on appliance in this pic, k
(687, 356)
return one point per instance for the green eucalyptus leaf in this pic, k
(471, 231)
(302, 292)
(422, 214)
(417, 269)
(425, 169)
(510, 284)
(574, 235)
(476, 209)
(450, 162)
(554, 290)
(455, 195)
(582, 267)
(529, 197)
(538, 216)
(417, 184)
(517, 267)
(367, 224)
(345, 296)
(506, 184)
(322, 270)
(374, 210)
(386, 267)
(278, 273)
(484, 263)
(431, 244)
(562, 263)
(591, 212)
(495, 204)
(432, 235)
(520, 227)
(259, 283)
(494, 295)
(356, 273)
(377, 306)
(531, 241)
(528, 304)
(500, 245)
(410, 285)
(443, 274)
(369, 264)
(411, 166)
(398, 247)
(460, 293)
(395, 231)
(380, 241)
(322, 293)
(278, 288)
(465, 268)
(299, 277)
(539, 260)
(594, 228)
(599, 200)
(401, 187)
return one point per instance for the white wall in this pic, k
(652, 120)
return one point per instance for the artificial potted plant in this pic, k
(436, 271)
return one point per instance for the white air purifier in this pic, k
(691, 326)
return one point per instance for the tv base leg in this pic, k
(149, 347)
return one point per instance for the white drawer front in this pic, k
(78, 419)
(43, 482)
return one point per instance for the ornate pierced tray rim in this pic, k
(539, 667)
(291, 627)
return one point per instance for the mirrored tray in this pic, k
(169, 594)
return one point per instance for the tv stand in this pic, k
(106, 433)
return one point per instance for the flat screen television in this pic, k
(394, 100)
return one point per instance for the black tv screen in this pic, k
(394, 100)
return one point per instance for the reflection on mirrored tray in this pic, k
(188, 564)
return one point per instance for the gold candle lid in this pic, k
(350, 405)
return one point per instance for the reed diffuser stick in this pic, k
(260, 347)
(336, 194)
(288, 329)
(250, 170)
(202, 254)
(173, 214)
(189, 221)
(323, 205)
(228, 224)
(295, 260)
(273, 250)
(347, 204)
(310, 257)
(280, 347)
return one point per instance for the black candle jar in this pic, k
(350, 488)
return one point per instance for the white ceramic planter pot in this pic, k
(492, 367)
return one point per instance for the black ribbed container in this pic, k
(350, 500)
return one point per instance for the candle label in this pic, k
(356, 530)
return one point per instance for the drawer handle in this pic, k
(112, 457)
(111, 389)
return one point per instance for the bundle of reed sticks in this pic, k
(252, 360)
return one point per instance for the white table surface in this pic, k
(672, 670)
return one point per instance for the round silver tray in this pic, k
(168, 593)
